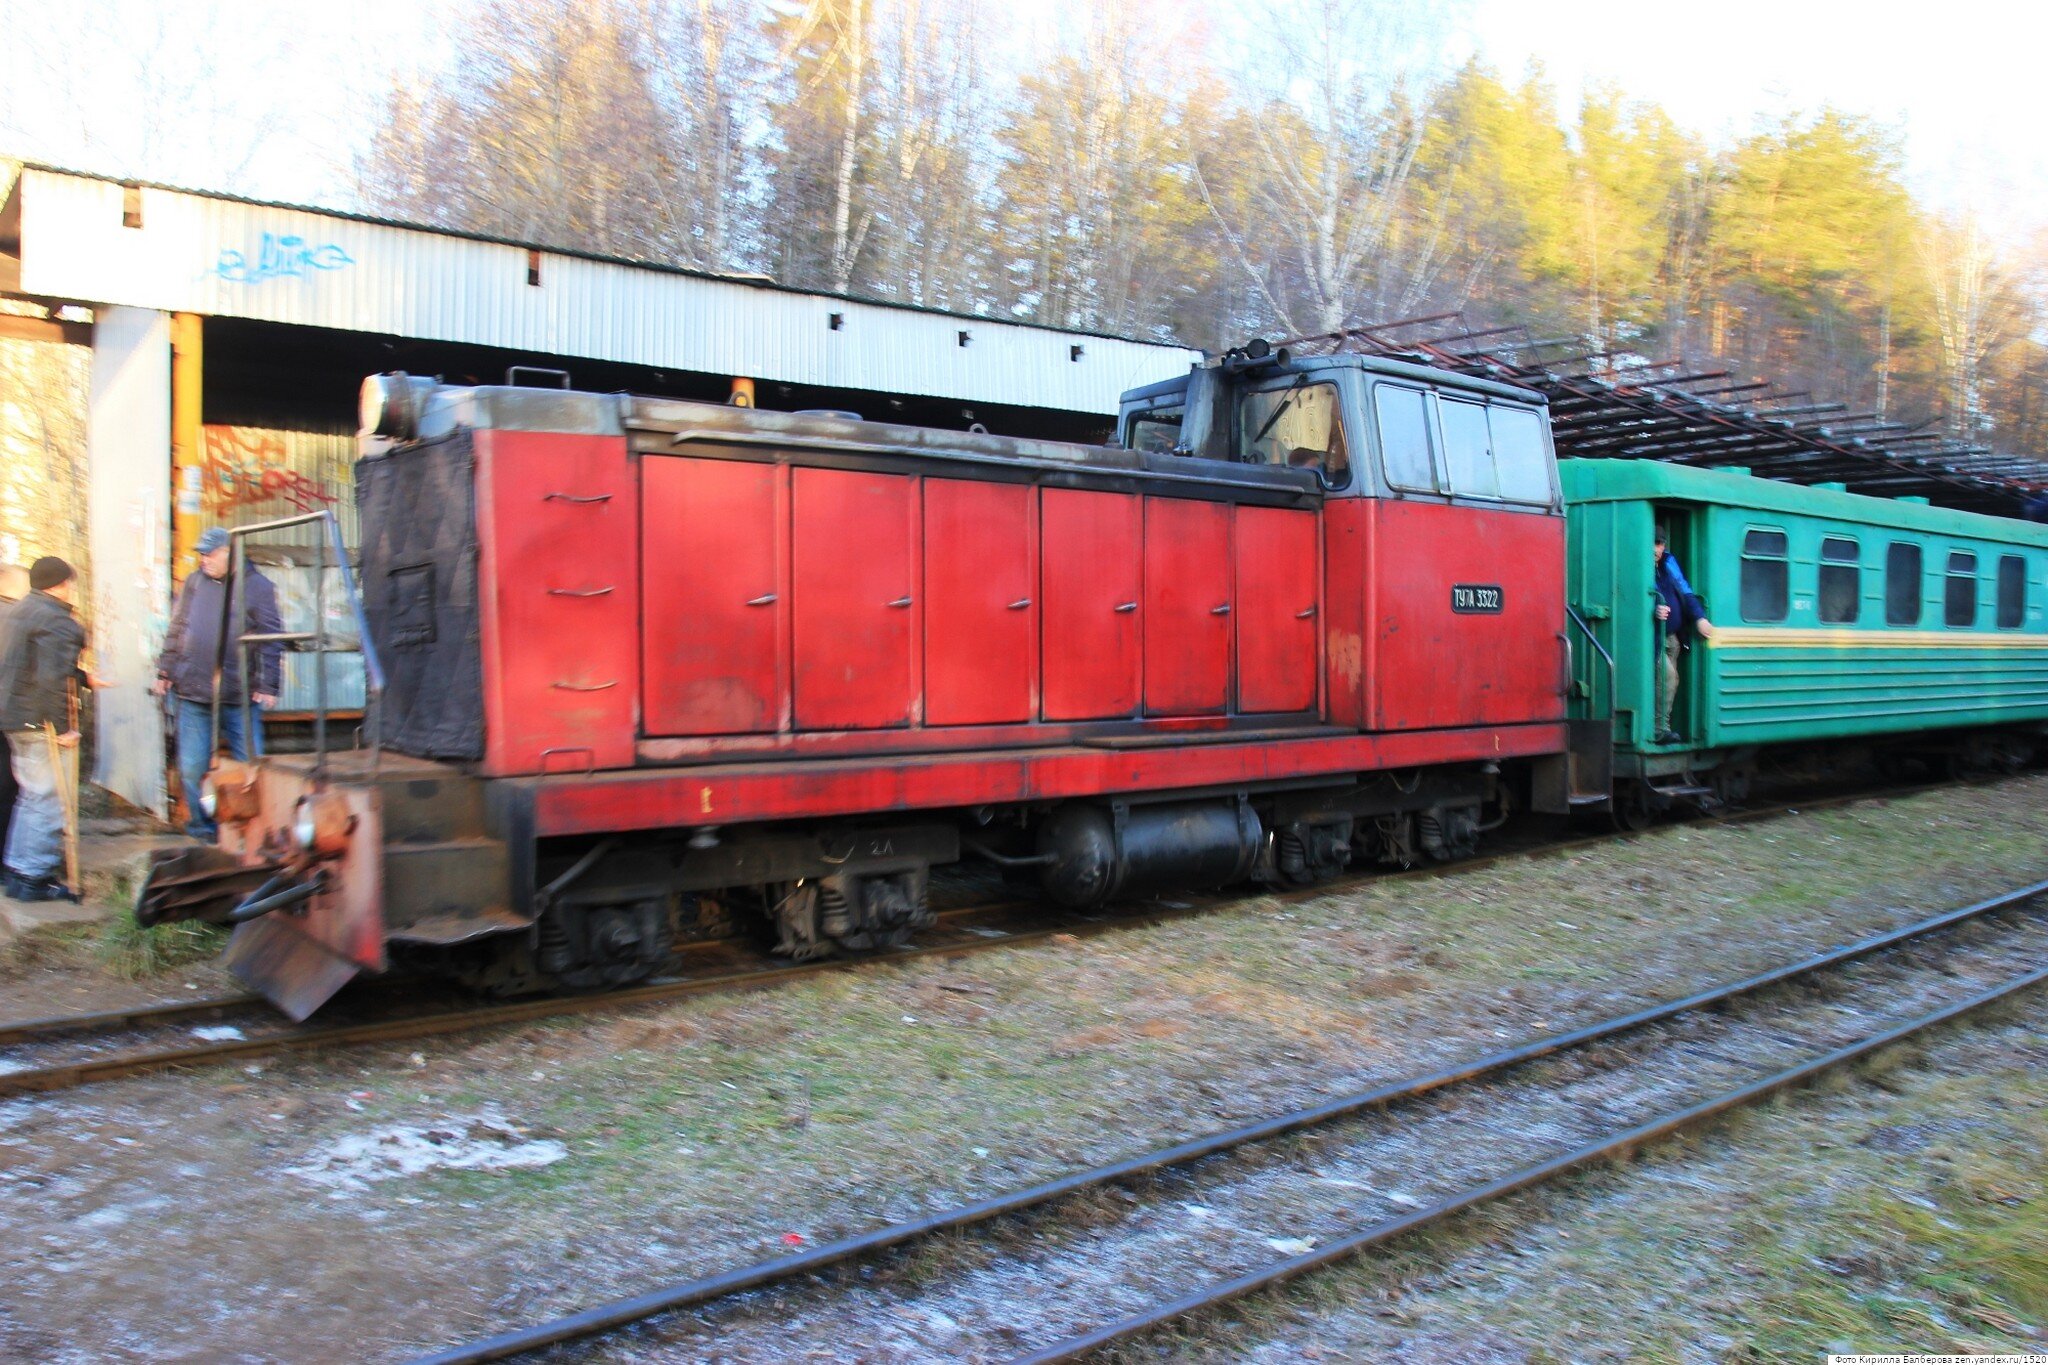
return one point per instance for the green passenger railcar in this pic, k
(1835, 617)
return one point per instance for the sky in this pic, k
(1961, 83)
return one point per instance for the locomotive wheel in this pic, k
(595, 947)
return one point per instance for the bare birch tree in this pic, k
(1329, 135)
(549, 130)
(1975, 313)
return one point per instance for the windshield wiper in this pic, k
(1299, 383)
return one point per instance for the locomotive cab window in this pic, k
(2012, 592)
(1156, 432)
(1300, 427)
(1959, 600)
(1902, 597)
(1521, 458)
(1403, 419)
(1841, 580)
(1494, 452)
(1766, 576)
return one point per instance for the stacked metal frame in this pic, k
(1606, 406)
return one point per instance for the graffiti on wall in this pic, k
(279, 256)
(243, 469)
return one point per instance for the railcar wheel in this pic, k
(1731, 784)
(1630, 808)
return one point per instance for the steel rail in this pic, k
(1620, 1143)
(622, 1312)
(136, 1016)
(70, 1075)
(88, 1071)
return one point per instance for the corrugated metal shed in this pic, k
(250, 474)
(225, 257)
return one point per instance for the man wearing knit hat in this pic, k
(39, 684)
(193, 649)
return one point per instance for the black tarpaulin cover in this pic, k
(418, 507)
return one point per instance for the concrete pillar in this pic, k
(128, 443)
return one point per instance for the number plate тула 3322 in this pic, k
(1475, 599)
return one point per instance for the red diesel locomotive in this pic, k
(651, 668)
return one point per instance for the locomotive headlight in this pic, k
(322, 824)
(228, 793)
(388, 405)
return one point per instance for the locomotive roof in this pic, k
(1434, 376)
(667, 423)
(1619, 480)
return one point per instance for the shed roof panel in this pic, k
(227, 257)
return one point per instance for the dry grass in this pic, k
(703, 1132)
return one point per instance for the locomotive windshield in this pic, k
(1299, 427)
(1156, 432)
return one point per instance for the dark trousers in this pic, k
(7, 791)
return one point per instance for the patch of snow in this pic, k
(8, 1068)
(1292, 1246)
(476, 1142)
(218, 1033)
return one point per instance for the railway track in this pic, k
(1859, 998)
(68, 1051)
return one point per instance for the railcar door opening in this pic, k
(1688, 544)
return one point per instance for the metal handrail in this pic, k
(1594, 640)
(234, 606)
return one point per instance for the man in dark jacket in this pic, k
(40, 642)
(13, 587)
(1678, 613)
(192, 652)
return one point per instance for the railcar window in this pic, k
(1403, 416)
(2012, 592)
(1841, 580)
(1299, 427)
(1520, 461)
(1959, 602)
(1156, 432)
(1902, 595)
(1766, 576)
(1468, 449)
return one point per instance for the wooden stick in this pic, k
(67, 798)
(71, 869)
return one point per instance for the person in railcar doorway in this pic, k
(1679, 616)
(193, 649)
(40, 645)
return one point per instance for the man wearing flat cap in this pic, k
(40, 643)
(193, 649)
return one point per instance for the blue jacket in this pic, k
(1674, 592)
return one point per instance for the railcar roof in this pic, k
(1655, 481)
